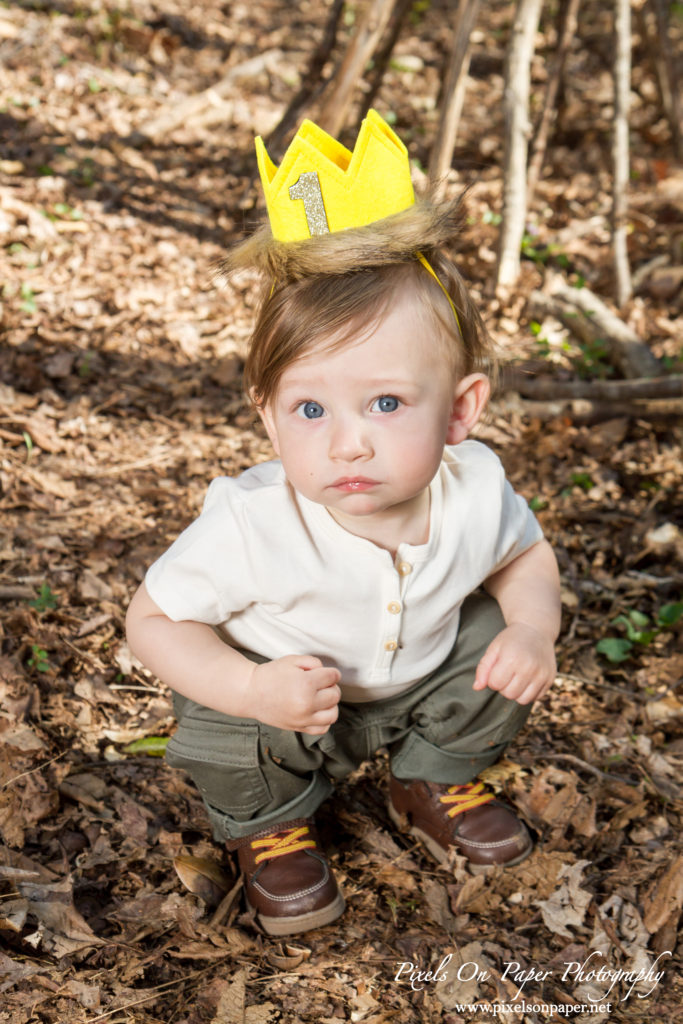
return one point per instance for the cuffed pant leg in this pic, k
(458, 731)
(249, 775)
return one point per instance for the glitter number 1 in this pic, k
(307, 188)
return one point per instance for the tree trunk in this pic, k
(363, 44)
(516, 111)
(311, 82)
(659, 48)
(453, 94)
(620, 157)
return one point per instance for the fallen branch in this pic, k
(587, 316)
(191, 109)
(583, 412)
(548, 388)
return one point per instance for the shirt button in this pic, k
(404, 568)
(390, 645)
(393, 607)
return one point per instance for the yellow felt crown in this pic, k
(322, 187)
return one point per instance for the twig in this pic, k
(223, 908)
(32, 771)
(539, 144)
(311, 81)
(571, 759)
(152, 995)
(15, 591)
(381, 57)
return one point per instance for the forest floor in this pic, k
(121, 397)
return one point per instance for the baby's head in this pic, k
(328, 311)
(360, 380)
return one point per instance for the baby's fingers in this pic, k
(485, 668)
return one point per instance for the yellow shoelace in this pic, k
(466, 797)
(280, 843)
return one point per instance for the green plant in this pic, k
(45, 600)
(541, 253)
(28, 295)
(67, 212)
(583, 480)
(594, 359)
(542, 344)
(418, 10)
(38, 659)
(492, 217)
(640, 631)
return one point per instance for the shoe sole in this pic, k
(301, 922)
(442, 855)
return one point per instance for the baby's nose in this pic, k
(349, 440)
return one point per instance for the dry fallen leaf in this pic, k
(665, 900)
(566, 908)
(204, 877)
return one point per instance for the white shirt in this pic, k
(278, 575)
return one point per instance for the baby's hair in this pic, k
(336, 287)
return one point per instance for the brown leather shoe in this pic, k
(289, 885)
(467, 817)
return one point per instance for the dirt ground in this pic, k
(121, 397)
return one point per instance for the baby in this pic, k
(379, 584)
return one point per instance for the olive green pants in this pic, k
(252, 775)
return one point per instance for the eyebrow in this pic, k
(370, 382)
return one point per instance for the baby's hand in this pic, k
(519, 663)
(296, 693)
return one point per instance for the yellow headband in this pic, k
(322, 187)
(430, 269)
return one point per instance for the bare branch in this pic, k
(516, 106)
(620, 155)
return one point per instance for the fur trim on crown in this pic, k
(425, 226)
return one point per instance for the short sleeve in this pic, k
(519, 528)
(201, 576)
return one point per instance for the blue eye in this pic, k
(310, 410)
(387, 403)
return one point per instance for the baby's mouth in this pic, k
(354, 483)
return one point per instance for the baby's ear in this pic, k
(266, 413)
(469, 401)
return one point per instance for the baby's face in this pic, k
(361, 429)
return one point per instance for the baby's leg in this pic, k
(456, 733)
(249, 775)
(261, 787)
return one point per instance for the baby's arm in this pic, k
(295, 693)
(520, 661)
